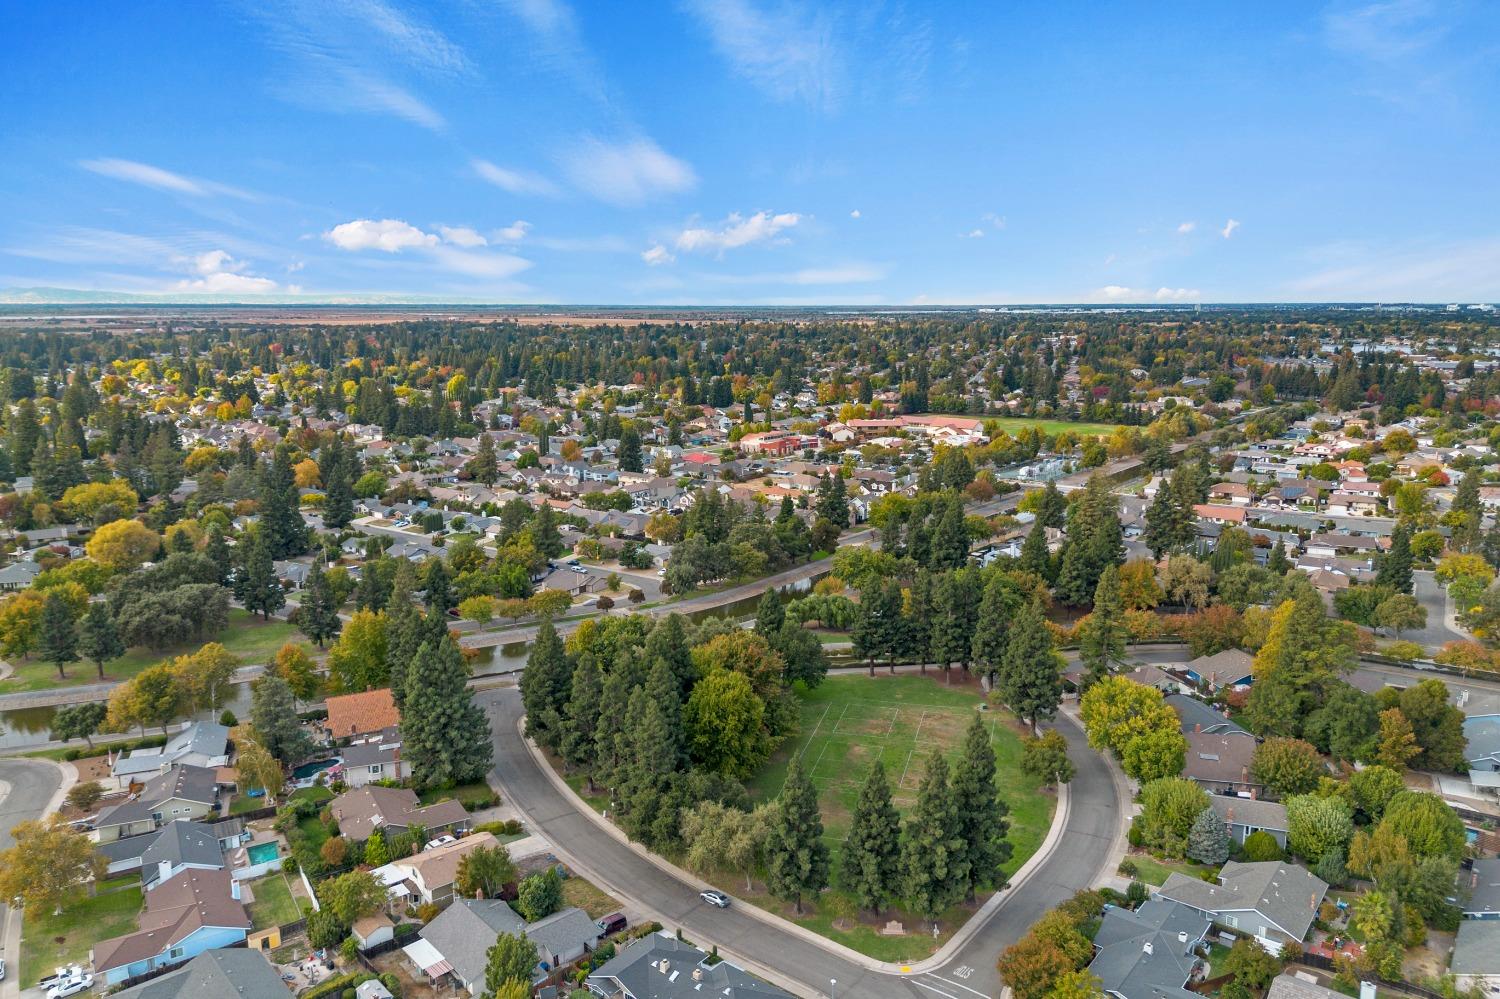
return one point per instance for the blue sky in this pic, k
(751, 151)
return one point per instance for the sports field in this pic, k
(850, 721)
(1011, 424)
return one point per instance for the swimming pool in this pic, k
(307, 771)
(262, 853)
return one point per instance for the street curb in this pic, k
(938, 959)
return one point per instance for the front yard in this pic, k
(66, 938)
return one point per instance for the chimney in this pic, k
(697, 974)
(1197, 728)
(1312, 902)
(1146, 947)
(1182, 937)
(665, 966)
(1229, 814)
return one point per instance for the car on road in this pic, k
(715, 897)
(71, 986)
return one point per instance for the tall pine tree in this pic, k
(1101, 642)
(445, 736)
(870, 866)
(317, 616)
(797, 863)
(1031, 673)
(981, 811)
(934, 858)
(546, 684)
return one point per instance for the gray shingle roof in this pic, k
(187, 783)
(1256, 812)
(464, 931)
(635, 971)
(1483, 884)
(183, 842)
(1193, 712)
(1287, 895)
(232, 972)
(1287, 986)
(1476, 951)
(563, 932)
(1148, 954)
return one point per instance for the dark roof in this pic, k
(1148, 954)
(233, 972)
(1483, 884)
(183, 842)
(187, 783)
(464, 932)
(1285, 894)
(1476, 951)
(1193, 713)
(1256, 812)
(636, 971)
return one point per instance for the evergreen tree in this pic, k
(630, 449)
(980, 812)
(920, 606)
(770, 614)
(439, 587)
(1395, 565)
(796, 857)
(668, 642)
(950, 540)
(58, 642)
(318, 617)
(280, 508)
(1053, 509)
(610, 737)
(1035, 556)
(870, 867)
(446, 738)
(216, 550)
(338, 493)
(880, 629)
(1095, 542)
(1001, 600)
(1278, 564)
(581, 719)
(405, 630)
(257, 587)
(98, 639)
(833, 503)
(1208, 839)
(1031, 673)
(485, 465)
(546, 684)
(273, 715)
(956, 602)
(934, 858)
(1102, 638)
(25, 430)
(545, 536)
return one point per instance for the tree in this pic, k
(324, 929)
(78, 721)
(1397, 744)
(377, 854)
(273, 715)
(796, 856)
(510, 959)
(992, 624)
(48, 862)
(447, 739)
(1251, 964)
(98, 639)
(1045, 757)
(833, 502)
(1427, 823)
(1158, 753)
(1301, 660)
(630, 449)
(280, 507)
(360, 659)
(540, 895)
(1316, 826)
(1080, 984)
(1102, 637)
(318, 616)
(1437, 725)
(1169, 807)
(1373, 788)
(1394, 569)
(1402, 612)
(21, 622)
(980, 811)
(770, 614)
(1187, 581)
(258, 768)
(1287, 766)
(1031, 672)
(719, 837)
(545, 685)
(296, 667)
(870, 866)
(1345, 725)
(85, 796)
(484, 466)
(725, 723)
(1138, 588)
(59, 633)
(1118, 709)
(151, 697)
(338, 497)
(203, 675)
(1208, 839)
(934, 857)
(1032, 965)
(1036, 557)
(123, 544)
(257, 586)
(484, 872)
(353, 896)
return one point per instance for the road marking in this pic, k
(929, 988)
(962, 972)
(902, 781)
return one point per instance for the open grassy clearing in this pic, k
(250, 638)
(1011, 424)
(848, 722)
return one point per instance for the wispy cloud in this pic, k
(515, 232)
(1123, 294)
(461, 236)
(345, 57)
(972, 234)
(625, 173)
(788, 53)
(854, 214)
(1229, 227)
(657, 255)
(514, 181)
(1466, 271)
(1388, 31)
(838, 274)
(156, 177)
(736, 231)
(1184, 228)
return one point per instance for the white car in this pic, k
(433, 844)
(71, 987)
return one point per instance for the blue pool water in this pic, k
(314, 768)
(262, 853)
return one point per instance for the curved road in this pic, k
(1085, 848)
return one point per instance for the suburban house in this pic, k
(200, 744)
(177, 847)
(193, 912)
(1483, 735)
(1197, 716)
(574, 582)
(129, 854)
(1243, 816)
(1476, 954)
(1482, 885)
(367, 713)
(244, 974)
(375, 758)
(428, 876)
(458, 940)
(184, 792)
(660, 966)
(1220, 762)
(1273, 901)
(1299, 985)
(1150, 953)
(394, 809)
(1229, 668)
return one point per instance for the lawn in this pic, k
(317, 794)
(65, 939)
(1011, 424)
(1154, 872)
(587, 896)
(466, 794)
(847, 723)
(273, 905)
(253, 640)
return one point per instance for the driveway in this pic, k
(1087, 847)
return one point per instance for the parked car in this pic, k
(613, 923)
(60, 975)
(71, 987)
(715, 897)
(443, 840)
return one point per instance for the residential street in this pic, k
(1085, 849)
(27, 788)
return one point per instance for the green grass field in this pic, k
(253, 640)
(1011, 424)
(53, 940)
(273, 905)
(850, 721)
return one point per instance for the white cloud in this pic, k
(657, 255)
(737, 231)
(787, 53)
(1187, 227)
(1386, 32)
(1229, 228)
(1121, 293)
(972, 234)
(480, 265)
(514, 181)
(386, 235)
(162, 180)
(461, 236)
(515, 232)
(1176, 294)
(854, 214)
(626, 173)
(219, 273)
(996, 222)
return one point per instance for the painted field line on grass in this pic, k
(814, 731)
(902, 781)
(895, 713)
(921, 720)
(840, 719)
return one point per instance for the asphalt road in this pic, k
(26, 789)
(1431, 595)
(1085, 849)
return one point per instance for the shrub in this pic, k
(1260, 846)
(1136, 894)
(428, 911)
(1127, 868)
(1135, 837)
(334, 851)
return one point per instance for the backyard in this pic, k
(273, 904)
(49, 941)
(253, 640)
(850, 721)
